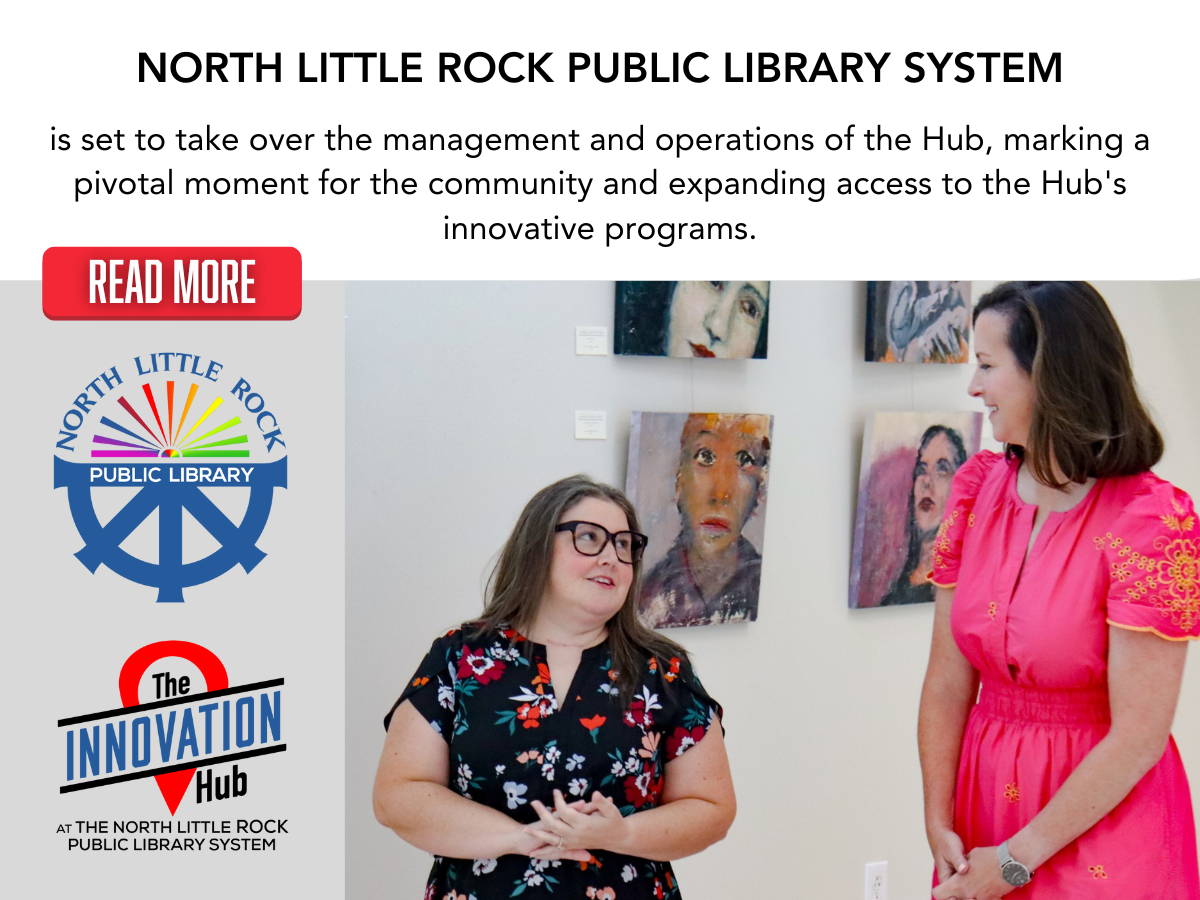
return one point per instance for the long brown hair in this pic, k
(519, 578)
(1087, 415)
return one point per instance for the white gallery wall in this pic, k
(460, 401)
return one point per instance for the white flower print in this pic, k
(553, 754)
(532, 878)
(464, 778)
(643, 783)
(632, 766)
(578, 786)
(618, 768)
(500, 770)
(515, 794)
(575, 762)
(483, 866)
(445, 695)
(437, 726)
(651, 700)
(628, 873)
(548, 771)
(609, 688)
(541, 865)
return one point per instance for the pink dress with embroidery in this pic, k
(1125, 556)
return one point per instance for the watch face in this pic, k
(1015, 874)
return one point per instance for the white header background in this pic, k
(75, 69)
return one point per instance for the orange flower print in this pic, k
(649, 745)
(1097, 871)
(941, 542)
(420, 682)
(673, 670)
(542, 677)
(1012, 793)
(604, 893)
(653, 664)
(529, 715)
(593, 723)
(583, 867)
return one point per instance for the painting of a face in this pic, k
(720, 471)
(699, 483)
(693, 319)
(908, 466)
(918, 321)
(716, 318)
(936, 465)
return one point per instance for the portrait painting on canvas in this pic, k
(706, 319)
(908, 464)
(699, 483)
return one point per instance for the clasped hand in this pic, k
(976, 878)
(572, 830)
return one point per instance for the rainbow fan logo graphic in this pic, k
(172, 427)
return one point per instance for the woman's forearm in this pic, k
(436, 819)
(674, 830)
(951, 685)
(940, 725)
(1105, 777)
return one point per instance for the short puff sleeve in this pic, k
(431, 689)
(947, 546)
(1152, 556)
(688, 709)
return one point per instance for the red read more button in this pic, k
(171, 283)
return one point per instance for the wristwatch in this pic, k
(1013, 872)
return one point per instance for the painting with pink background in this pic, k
(909, 460)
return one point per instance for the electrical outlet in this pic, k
(875, 882)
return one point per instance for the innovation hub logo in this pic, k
(178, 713)
(173, 426)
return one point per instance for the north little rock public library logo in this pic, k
(173, 426)
(181, 727)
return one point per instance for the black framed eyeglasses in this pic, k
(590, 539)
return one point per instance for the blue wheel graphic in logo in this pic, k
(172, 468)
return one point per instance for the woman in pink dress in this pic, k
(1068, 581)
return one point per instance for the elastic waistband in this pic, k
(1013, 703)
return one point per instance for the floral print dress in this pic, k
(514, 738)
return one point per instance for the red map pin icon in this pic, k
(172, 785)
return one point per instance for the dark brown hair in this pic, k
(1087, 416)
(518, 581)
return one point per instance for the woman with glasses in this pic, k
(557, 746)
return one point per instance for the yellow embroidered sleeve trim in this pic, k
(1153, 630)
(941, 543)
(1171, 584)
(939, 584)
